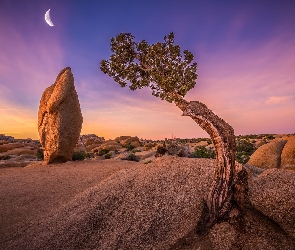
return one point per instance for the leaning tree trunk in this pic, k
(219, 200)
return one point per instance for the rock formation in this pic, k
(157, 206)
(60, 119)
(288, 154)
(272, 193)
(268, 155)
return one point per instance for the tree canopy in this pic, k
(160, 66)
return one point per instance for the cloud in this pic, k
(277, 99)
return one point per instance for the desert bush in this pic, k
(147, 162)
(129, 147)
(135, 150)
(160, 151)
(79, 156)
(40, 154)
(202, 152)
(242, 158)
(5, 157)
(89, 155)
(244, 149)
(270, 137)
(131, 157)
(108, 156)
(103, 151)
(245, 146)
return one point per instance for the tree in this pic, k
(171, 74)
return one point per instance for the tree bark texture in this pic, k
(219, 200)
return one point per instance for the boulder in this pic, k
(133, 141)
(288, 154)
(268, 155)
(150, 145)
(257, 232)
(149, 206)
(92, 146)
(10, 146)
(20, 151)
(89, 141)
(157, 206)
(60, 119)
(122, 138)
(272, 193)
(109, 145)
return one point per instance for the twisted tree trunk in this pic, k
(220, 199)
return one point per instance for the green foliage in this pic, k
(129, 147)
(108, 156)
(103, 151)
(40, 154)
(160, 66)
(132, 157)
(245, 146)
(242, 157)
(202, 152)
(5, 157)
(270, 137)
(135, 150)
(79, 156)
(244, 149)
(88, 155)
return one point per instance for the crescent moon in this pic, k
(47, 18)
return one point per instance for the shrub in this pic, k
(245, 146)
(270, 137)
(202, 152)
(129, 147)
(160, 151)
(89, 155)
(5, 157)
(135, 150)
(79, 156)
(242, 158)
(103, 151)
(108, 156)
(132, 157)
(40, 154)
(147, 162)
(244, 150)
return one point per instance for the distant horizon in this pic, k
(152, 139)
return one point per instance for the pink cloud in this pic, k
(277, 99)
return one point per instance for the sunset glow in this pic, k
(245, 55)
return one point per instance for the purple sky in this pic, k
(245, 52)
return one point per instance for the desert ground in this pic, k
(153, 203)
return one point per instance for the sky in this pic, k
(245, 51)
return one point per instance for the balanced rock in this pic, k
(268, 155)
(60, 119)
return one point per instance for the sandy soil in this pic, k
(28, 193)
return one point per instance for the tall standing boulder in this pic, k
(60, 119)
